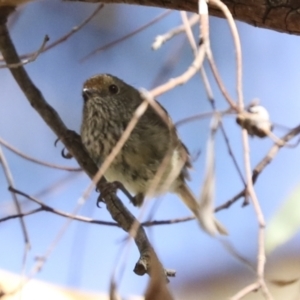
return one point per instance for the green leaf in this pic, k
(285, 223)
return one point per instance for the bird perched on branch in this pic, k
(109, 105)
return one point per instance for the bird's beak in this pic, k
(86, 94)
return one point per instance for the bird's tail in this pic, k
(206, 218)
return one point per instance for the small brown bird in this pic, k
(109, 105)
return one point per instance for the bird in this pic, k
(109, 105)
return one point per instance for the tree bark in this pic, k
(279, 15)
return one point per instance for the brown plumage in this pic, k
(109, 104)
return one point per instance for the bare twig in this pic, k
(37, 161)
(161, 39)
(209, 92)
(238, 49)
(74, 29)
(183, 78)
(66, 36)
(10, 182)
(31, 58)
(171, 61)
(167, 222)
(273, 152)
(218, 79)
(248, 289)
(229, 247)
(199, 117)
(261, 165)
(187, 28)
(127, 36)
(21, 215)
(228, 203)
(47, 208)
(204, 29)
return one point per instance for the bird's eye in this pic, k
(113, 89)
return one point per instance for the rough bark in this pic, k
(279, 15)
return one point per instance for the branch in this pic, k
(37, 161)
(279, 15)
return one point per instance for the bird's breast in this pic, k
(99, 135)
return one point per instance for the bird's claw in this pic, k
(108, 188)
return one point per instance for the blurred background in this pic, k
(87, 255)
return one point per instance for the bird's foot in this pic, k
(111, 188)
(138, 199)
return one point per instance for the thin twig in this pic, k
(261, 257)
(10, 182)
(209, 92)
(187, 28)
(183, 78)
(219, 79)
(201, 116)
(262, 164)
(66, 36)
(37, 161)
(127, 36)
(31, 58)
(245, 291)
(47, 208)
(204, 29)
(161, 39)
(171, 61)
(74, 29)
(237, 46)
(21, 215)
